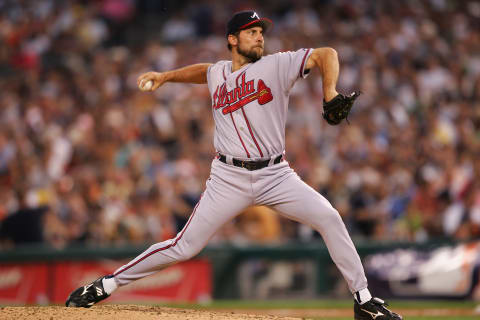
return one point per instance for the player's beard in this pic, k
(251, 54)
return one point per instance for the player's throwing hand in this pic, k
(151, 81)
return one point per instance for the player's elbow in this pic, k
(322, 56)
(326, 53)
(331, 51)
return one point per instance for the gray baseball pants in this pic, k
(229, 191)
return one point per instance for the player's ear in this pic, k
(232, 39)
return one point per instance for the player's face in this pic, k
(250, 43)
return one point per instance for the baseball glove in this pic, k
(337, 109)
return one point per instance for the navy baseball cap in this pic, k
(247, 19)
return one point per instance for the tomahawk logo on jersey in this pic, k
(241, 95)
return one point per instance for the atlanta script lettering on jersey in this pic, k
(240, 96)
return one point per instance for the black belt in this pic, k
(250, 165)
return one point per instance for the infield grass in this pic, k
(326, 308)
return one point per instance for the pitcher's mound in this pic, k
(123, 312)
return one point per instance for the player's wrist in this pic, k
(329, 94)
(167, 76)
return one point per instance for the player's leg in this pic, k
(281, 188)
(293, 198)
(227, 194)
(218, 204)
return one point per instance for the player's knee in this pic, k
(187, 252)
(333, 217)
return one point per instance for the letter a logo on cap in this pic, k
(255, 15)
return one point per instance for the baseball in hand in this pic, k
(147, 85)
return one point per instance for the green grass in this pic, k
(324, 304)
(464, 306)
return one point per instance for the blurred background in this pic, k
(92, 168)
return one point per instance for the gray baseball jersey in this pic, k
(250, 110)
(250, 105)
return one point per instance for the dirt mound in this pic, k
(123, 312)
(131, 312)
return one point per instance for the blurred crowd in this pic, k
(85, 157)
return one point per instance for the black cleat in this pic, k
(88, 295)
(375, 309)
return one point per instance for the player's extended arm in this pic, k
(195, 73)
(326, 59)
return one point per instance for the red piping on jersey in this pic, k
(251, 133)
(248, 154)
(303, 62)
(236, 80)
(255, 21)
(164, 248)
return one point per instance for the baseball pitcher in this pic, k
(250, 97)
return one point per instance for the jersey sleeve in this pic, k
(209, 76)
(215, 71)
(291, 66)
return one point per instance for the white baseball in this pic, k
(147, 85)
